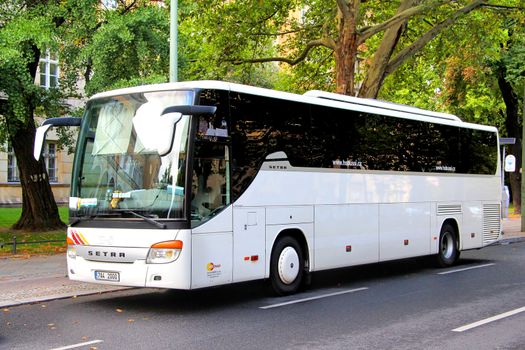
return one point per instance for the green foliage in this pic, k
(17, 39)
(514, 61)
(215, 32)
(454, 73)
(130, 50)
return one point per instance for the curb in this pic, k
(510, 240)
(14, 303)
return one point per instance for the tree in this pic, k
(510, 73)
(379, 33)
(24, 35)
(106, 47)
(480, 86)
(211, 31)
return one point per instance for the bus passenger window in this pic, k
(210, 181)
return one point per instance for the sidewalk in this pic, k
(26, 280)
(511, 228)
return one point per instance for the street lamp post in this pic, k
(523, 162)
(173, 40)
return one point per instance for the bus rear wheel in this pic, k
(286, 266)
(448, 251)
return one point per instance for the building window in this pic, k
(49, 70)
(109, 4)
(50, 158)
(12, 169)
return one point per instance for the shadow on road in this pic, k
(160, 301)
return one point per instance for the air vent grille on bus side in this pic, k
(491, 223)
(449, 209)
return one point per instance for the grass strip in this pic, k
(8, 216)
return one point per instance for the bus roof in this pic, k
(379, 104)
(314, 96)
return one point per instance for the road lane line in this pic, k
(465, 269)
(79, 345)
(313, 298)
(489, 320)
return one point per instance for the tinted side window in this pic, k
(324, 137)
(262, 126)
(353, 140)
(214, 127)
(409, 145)
(210, 180)
(479, 153)
(338, 139)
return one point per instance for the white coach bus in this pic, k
(198, 184)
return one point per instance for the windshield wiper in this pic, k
(119, 213)
(78, 219)
(145, 218)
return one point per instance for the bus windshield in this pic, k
(131, 159)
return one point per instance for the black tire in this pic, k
(286, 266)
(448, 249)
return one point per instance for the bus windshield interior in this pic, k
(131, 158)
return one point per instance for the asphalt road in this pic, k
(479, 304)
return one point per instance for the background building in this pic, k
(58, 162)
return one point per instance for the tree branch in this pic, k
(326, 42)
(367, 32)
(502, 7)
(344, 8)
(429, 35)
(290, 31)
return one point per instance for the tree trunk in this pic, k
(376, 72)
(345, 57)
(512, 123)
(39, 209)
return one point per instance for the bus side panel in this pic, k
(404, 230)
(249, 236)
(346, 235)
(211, 259)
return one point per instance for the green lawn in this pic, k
(8, 216)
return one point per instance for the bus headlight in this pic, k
(71, 248)
(164, 252)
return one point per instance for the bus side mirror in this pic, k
(510, 163)
(162, 139)
(41, 131)
(191, 110)
(40, 137)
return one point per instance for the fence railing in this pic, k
(14, 243)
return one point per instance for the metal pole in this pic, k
(523, 162)
(173, 40)
(14, 245)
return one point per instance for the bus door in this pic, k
(249, 236)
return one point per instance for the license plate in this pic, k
(107, 276)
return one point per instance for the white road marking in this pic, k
(313, 298)
(465, 269)
(488, 320)
(79, 345)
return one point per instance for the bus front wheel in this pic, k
(448, 252)
(286, 266)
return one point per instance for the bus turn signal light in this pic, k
(164, 252)
(71, 248)
(168, 245)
